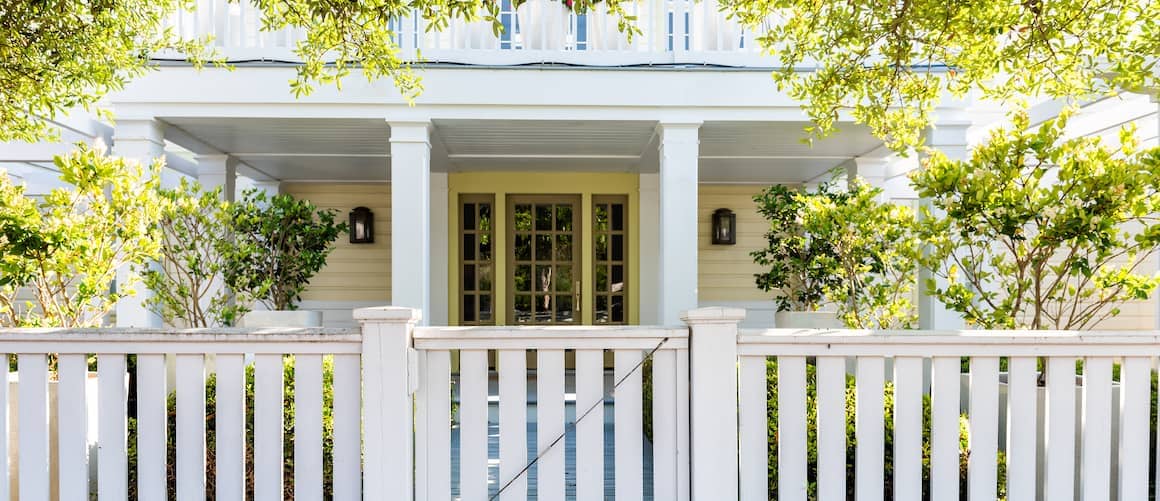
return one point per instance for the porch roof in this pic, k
(357, 149)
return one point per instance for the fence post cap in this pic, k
(714, 315)
(388, 314)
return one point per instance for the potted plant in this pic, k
(872, 264)
(790, 259)
(277, 243)
(543, 24)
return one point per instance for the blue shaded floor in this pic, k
(569, 459)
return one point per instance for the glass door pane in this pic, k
(476, 270)
(610, 259)
(543, 259)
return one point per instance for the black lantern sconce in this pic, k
(362, 226)
(724, 227)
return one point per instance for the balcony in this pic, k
(674, 33)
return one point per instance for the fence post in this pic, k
(388, 383)
(713, 401)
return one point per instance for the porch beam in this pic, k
(142, 140)
(411, 215)
(678, 224)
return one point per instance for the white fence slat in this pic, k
(307, 427)
(112, 464)
(1135, 407)
(153, 428)
(473, 424)
(1022, 429)
(753, 428)
(190, 427)
(1097, 428)
(868, 430)
(5, 468)
(664, 413)
(628, 430)
(433, 474)
(230, 427)
(590, 431)
(268, 395)
(32, 442)
(908, 428)
(831, 382)
(72, 446)
(684, 454)
(944, 470)
(791, 416)
(983, 415)
(347, 428)
(550, 424)
(1060, 433)
(513, 423)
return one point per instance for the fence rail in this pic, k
(399, 411)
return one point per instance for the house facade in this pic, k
(556, 174)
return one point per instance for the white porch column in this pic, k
(650, 235)
(411, 215)
(439, 259)
(142, 140)
(214, 171)
(678, 224)
(871, 169)
(951, 139)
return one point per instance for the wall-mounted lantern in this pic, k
(724, 227)
(362, 226)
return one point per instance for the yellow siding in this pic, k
(353, 272)
(725, 272)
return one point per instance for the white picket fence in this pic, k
(401, 392)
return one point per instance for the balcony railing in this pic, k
(674, 32)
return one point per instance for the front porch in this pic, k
(459, 206)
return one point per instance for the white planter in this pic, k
(543, 24)
(604, 28)
(474, 35)
(283, 318)
(807, 320)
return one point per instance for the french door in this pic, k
(543, 259)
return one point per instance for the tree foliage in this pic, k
(890, 63)
(791, 269)
(874, 261)
(187, 284)
(65, 251)
(56, 55)
(1039, 231)
(277, 244)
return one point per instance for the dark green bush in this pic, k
(211, 435)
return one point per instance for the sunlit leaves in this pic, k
(888, 64)
(58, 55)
(1038, 231)
(66, 250)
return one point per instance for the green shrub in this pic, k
(211, 435)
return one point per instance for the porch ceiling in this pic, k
(359, 149)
